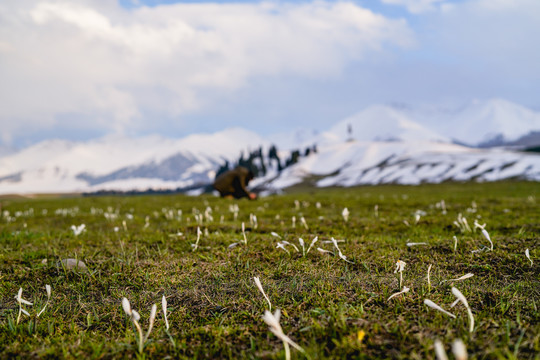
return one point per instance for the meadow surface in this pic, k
(142, 247)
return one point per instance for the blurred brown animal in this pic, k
(232, 183)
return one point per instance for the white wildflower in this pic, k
(151, 321)
(403, 291)
(22, 301)
(459, 350)
(345, 213)
(528, 255)
(303, 222)
(196, 245)
(301, 242)
(244, 233)
(272, 320)
(77, 230)
(440, 353)
(324, 251)
(464, 277)
(432, 305)
(409, 244)
(164, 308)
(259, 285)
(343, 257)
(282, 246)
(400, 266)
(288, 243)
(312, 243)
(428, 278)
(462, 298)
(48, 290)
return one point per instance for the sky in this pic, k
(83, 69)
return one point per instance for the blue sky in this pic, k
(82, 69)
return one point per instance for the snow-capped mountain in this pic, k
(484, 123)
(378, 162)
(382, 123)
(487, 123)
(119, 163)
(380, 144)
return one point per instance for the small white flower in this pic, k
(303, 222)
(324, 251)
(462, 298)
(127, 307)
(466, 276)
(345, 213)
(400, 266)
(428, 278)
(196, 245)
(282, 246)
(405, 290)
(77, 230)
(274, 234)
(312, 243)
(409, 244)
(432, 305)
(486, 235)
(288, 243)
(259, 285)
(164, 308)
(48, 290)
(440, 353)
(151, 321)
(340, 254)
(244, 233)
(528, 255)
(21, 301)
(301, 242)
(459, 350)
(272, 320)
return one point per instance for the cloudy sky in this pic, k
(81, 69)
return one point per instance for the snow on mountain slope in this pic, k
(382, 123)
(483, 121)
(357, 163)
(61, 166)
(486, 122)
(410, 154)
(295, 139)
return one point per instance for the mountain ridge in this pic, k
(374, 145)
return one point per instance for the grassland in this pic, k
(141, 248)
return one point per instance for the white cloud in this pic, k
(494, 36)
(415, 6)
(96, 61)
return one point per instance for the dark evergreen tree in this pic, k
(273, 155)
(293, 159)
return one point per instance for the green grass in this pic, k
(215, 309)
